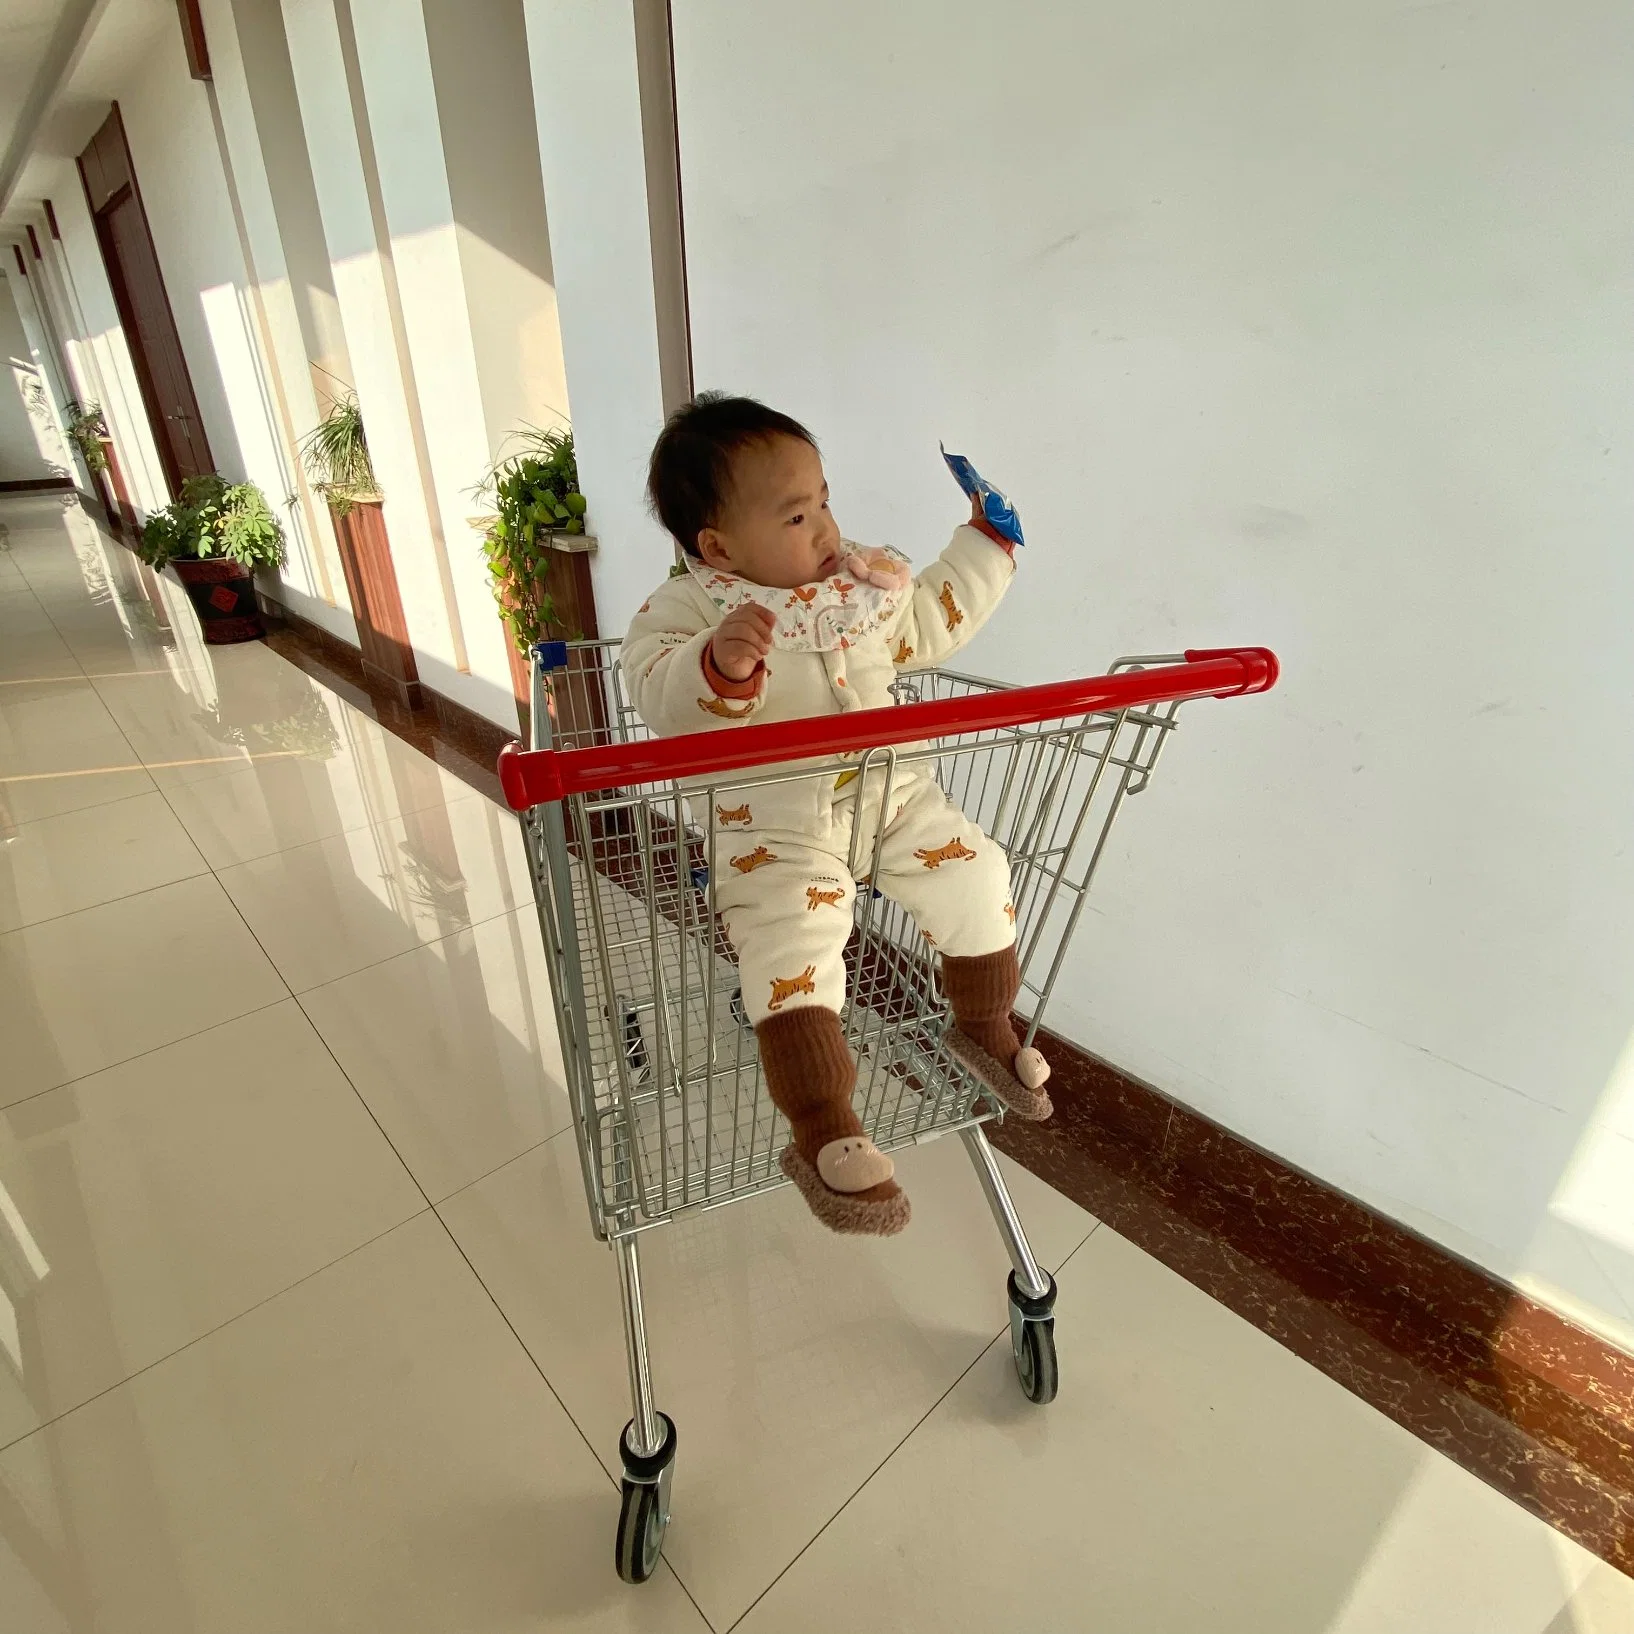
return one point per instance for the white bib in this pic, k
(833, 614)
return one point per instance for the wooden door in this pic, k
(144, 306)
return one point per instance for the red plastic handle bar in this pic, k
(532, 776)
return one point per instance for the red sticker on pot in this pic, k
(224, 598)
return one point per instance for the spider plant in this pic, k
(336, 455)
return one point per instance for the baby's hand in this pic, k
(742, 640)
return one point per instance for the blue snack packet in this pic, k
(999, 512)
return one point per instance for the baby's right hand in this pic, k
(742, 640)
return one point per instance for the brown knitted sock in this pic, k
(810, 1076)
(981, 991)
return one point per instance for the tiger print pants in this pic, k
(785, 902)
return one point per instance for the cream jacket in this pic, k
(663, 665)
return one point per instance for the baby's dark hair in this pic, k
(690, 473)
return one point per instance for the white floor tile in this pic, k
(371, 1452)
(1191, 1475)
(61, 751)
(174, 730)
(60, 864)
(156, 1200)
(36, 654)
(97, 987)
(23, 616)
(276, 805)
(299, 1433)
(454, 1048)
(792, 1361)
(327, 909)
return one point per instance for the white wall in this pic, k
(98, 355)
(355, 197)
(178, 168)
(449, 110)
(1305, 326)
(586, 102)
(264, 165)
(23, 414)
(41, 314)
(220, 312)
(177, 160)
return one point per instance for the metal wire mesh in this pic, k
(669, 1108)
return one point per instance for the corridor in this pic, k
(303, 1327)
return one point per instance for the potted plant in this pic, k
(88, 432)
(213, 539)
(336, 456)
(537, 551)
(336, 453)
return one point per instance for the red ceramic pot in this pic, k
(223, 595)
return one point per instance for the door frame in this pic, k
(108, 175)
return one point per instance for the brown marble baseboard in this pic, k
(1537, 1407)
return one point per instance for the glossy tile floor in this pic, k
(302, 1327)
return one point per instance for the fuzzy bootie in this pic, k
(844, 1178)
(981, 992)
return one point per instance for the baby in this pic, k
(779, 618)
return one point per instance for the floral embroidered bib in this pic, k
(829, 616)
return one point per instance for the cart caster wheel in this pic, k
(643, 1511)
(641, 1523)
(1032, 1339)
(1034, 1346)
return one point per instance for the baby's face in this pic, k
(775, 528)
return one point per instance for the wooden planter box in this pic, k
(112, 491)
(371, 582)
(581, 707)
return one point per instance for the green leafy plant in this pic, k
(86, 429)
(336, 455)
(535, 493)
(214, 517)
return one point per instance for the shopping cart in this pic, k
(662, 1071)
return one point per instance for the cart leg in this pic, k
(644, 1436)
(647, 1447)
(1031, 1288)
(1031, 1280)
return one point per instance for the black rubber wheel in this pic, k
(643, 1512)
(1034, 1347)
(641, 1523)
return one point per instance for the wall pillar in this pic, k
(341, 149)
(43, 414)
(258, 126)
(449, 102)
(588, 109)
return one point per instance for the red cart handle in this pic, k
(532, 776)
